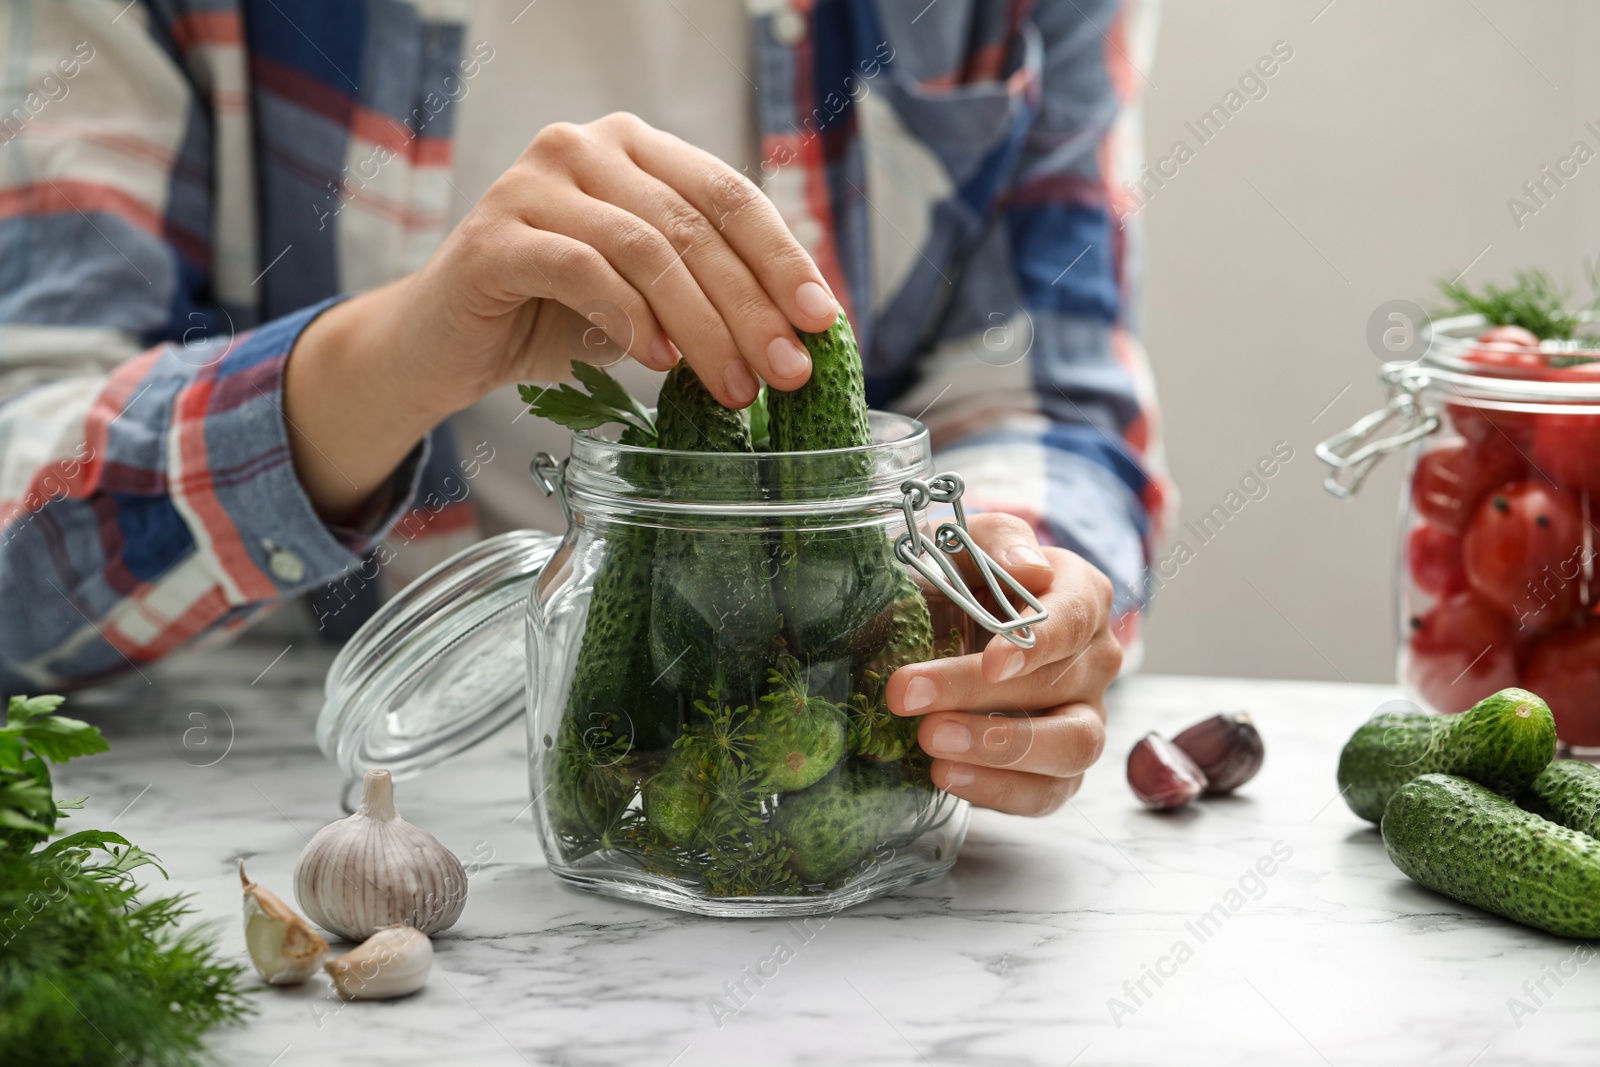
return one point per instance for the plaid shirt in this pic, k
(185, 184)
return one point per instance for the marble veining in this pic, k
(1100, 935)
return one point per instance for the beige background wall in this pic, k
(1381, 157)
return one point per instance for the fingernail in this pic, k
(951, 737)
(663, 353)
(740, 383)
(814, 300)
(1026, 556)
(920, 693)
(787, 358)
(958, 775)
(1013, 666)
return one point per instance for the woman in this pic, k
(208, 177)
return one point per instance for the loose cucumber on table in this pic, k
(1504, 742)
(1473, 845)
(1567, 792)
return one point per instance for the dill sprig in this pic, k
(725, 737)
(876, 733)
(76, 941)
(1535, 302)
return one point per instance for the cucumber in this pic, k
(1567, 792)
(1473, 845)
(830, 410)
(674, 801)
(689, 418)
(833, 826)
(799, 737)
(713, 620)
(1502, 742)
(613, 671)
(841, 579)
(614, 712)
(591, 775)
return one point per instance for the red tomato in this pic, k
(1433, 558)
(1508, 348)
(1523, 553)
(1492, 427)
(1566, 449)
(1503, 351)
(1564, 669)
(1460, 652)
(1450, 481)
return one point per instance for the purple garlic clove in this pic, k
(1227, 747)
(1161, 775)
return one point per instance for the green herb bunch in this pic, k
(89, 972)
(1534, 302)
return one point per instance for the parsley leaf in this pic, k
(606, 402)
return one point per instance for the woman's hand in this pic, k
(611, 231)
(1015, 729)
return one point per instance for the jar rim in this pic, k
(606, 473)
(1447, 344)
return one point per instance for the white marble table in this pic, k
(1019, 957)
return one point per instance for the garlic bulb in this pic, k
(283, 946)
(390, 963)
(374, 869)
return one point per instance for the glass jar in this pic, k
(702, 666)
(1496, 579)
(710, 647)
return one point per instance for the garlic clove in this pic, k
(1227, 747)
(283, 946)
(1161, 775)
(375, 870)
(391, 963)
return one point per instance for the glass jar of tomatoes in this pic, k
(1497, 579)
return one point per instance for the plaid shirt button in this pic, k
(788, 27)
(284, 565)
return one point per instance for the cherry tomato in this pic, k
(1523, 553)
(1503, 351)
(1450, 481)
(1508, 348)
(1564, 669)
(1460, 652)
(1433, 558)
(1492, 427)
(1566, 449)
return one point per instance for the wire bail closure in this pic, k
(550, 475)
(915, 548)
(1354, 452)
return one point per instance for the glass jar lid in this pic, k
(441, 666)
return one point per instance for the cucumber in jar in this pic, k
(713, 620)
(847, 595)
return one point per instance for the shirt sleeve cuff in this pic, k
(233, 478)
